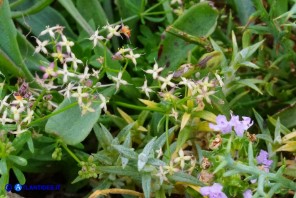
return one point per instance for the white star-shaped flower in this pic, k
(96, 37)
(146, 89)
(154, 71)
(119, 80)
(166, 81)
(41, 46)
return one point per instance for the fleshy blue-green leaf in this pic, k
(18, 160)
(19, 175)
(10, 56)
(70, 125)
(146, 184)
(103, 135)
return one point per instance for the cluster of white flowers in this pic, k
(15, 109)
(67, 67)
(183, 162)
(201, 89)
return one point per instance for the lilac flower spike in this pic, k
(240, 126)
(247, 194)
(226, 126)
(214, 191)
(222, 125)
(262, 158)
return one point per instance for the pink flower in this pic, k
(247, 194)
(262, 158)
(214, 191)
(48, 71)
(222, 124)
(240, 126)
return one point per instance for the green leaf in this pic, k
(8, 66)
(146, 184)
(103, 135)
(3, 167)
(47, 17)
(18, 160)
(261, 123)
(284, 129)
(118, 170)
(19, 175)
(31, 60)
(287, 116)
(159, 142)
(183, 177)
(20, 140)
(9, 51)
(200, 21)
(30, 144)
(251, 83)
(36, 7)
(126, 152)
(144, 156)
(125, 131)
(244, 9)
(183, 137)
(70, 125)
(92, 10)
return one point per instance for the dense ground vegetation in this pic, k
(148, 98)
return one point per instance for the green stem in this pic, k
(53, 114)
(287, 183)
(71, 153)
(167, 134)
(16, 3)
(137, 107)
(41, 4)
(38, 99)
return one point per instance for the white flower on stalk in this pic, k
(154, 71)
(74, 61)
(161, 175)
(166, 81)
(16, 112)
(65, 73)
(67, 91)
(41, 46)
(95, 73)
(132, 56)
(104, 101)
(49, 30)
(204, 93)
(59, 55)
(174, 113)
(80, 95)
(85, 74)
(113, 30)
(66, 43)
(96, 37)
(18, 130)
(146, 89)
(29, 116)
(3, 102)
(86, 108)
(182, 158)
(159, 153)
(120, 53)
(119, 80)
(171, 169)
(188, 83)
(4, 118)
